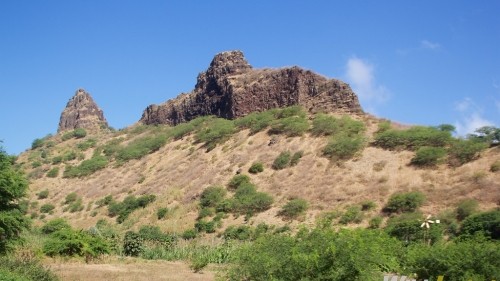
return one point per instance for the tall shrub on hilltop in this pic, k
(13, 187)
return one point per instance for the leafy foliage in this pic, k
(466, 208)
(69, 242)
(46, 208)
(405, 202)
(43, 194)
(256, 121)
(212, 196)
(353, 214)
(24, 269)
(238, 180)
(294, 208)
(129, 204)
(258, 167)
(428, 156)
(53, 173)
(87, 167)
(407, 228)
(343, 147)
(13, 187)
(215, 131)
(282, 160)
(413, 138)
(486, 223)
(161, 213)
(463, 151)
(140, 147)
(55, 225)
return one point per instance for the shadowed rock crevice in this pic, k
(231, 88)
(82, 112)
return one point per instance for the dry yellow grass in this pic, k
(180, 170)
(129, 270)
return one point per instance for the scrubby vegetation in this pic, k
(123, 209)
(294, 208)
(405, 202)
(258, 167)
(87, 167)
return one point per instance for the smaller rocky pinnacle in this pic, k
(82, 112)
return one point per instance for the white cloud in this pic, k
(471, 117)
(470, 123)
(425, 44)
(360, 75)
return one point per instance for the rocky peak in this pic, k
(81, 112)
(231, 88)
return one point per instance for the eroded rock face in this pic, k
(231, 88)
(82, 112)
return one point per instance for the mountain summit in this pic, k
(231, 88)
(81, 112)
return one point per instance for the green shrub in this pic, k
(407, 228)
(486, 223)
(69, 155)
(206, 212)
(241, 232)
(375, 222)
(318, 254)
(256, 168)
(53, 173)
(128, 205)
(248, 201)
(238, 180)
(24, 269)
(463, 151)
(294, 208)
(256, 121)
(343, 147)
(353, 214)
(296, 158)
(162, 213)
(368, 205)
(79, 133)
(69, 242)
(37, 143)
(36, 164)
(108, 199)
(132, 244)
(466, 208)
(84, 145)
(55, 225)
(291, 126)
(141, 147)
(412, 138)
(46, 208)
(76, 206)
(71, 197)
(474, 259)
(57, 159)
(282, 160)
(405, 202)
(495, 167)
(324, 125)
(205, 226)
(154, 234)
(43, 194)
(214, 132)
(428, 156)
(384, 126)
(189, 234)
(87, 167)
(212, 196)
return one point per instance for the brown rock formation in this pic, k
(82, 112)
(231, 88)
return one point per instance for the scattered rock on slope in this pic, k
(231, 88)
(82, 112)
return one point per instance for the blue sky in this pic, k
(414, 62)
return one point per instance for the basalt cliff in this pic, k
(231, 88)
(82, 112)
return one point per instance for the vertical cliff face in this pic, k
(231, 88)
(82, 112)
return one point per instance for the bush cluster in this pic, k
(123, 209)
(428, 156)
(215, 131)
(140, 147)
(294, 208)
(87, 167)
(404, 202)
(256, 121)
(258, 167)
(76, 133)
(413, 138)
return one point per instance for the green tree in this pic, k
(13, 186)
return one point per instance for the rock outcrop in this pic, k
(231, 88)
(82, 112)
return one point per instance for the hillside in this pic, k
(181, 166)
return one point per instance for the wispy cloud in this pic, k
(426, 44)
(361, 75)
(471, 117)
